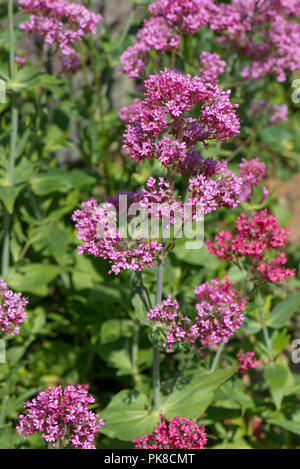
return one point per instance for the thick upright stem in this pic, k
(13, 142)
(156, 370)
(263, 323)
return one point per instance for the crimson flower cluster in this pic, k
(61, 414)
(256, 238)
(246, 360)
(12, 312)
(179, 433)
(61, 23)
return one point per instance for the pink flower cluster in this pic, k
(179, 433)
(169, 315)
(97, 228)
(12, 312)
(184, 15)
(255, 238)
(168, 96)
(216, 186)
(60, 22)
(276, 114)
(219, 315)
(264, 31)
(62, 414)
(246, 360)
(251, 173)
(154, 34)
(219, 311)
(211, 65)
(162, 31)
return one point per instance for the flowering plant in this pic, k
(148, 192)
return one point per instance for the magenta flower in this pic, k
(251, 173)
(168, 314)
(168, 97)
(216, 186)
(12, 312)
(154, 34)
(211, 65)
(266, 32)
(97, 228)
(255, 239)
(246, 360)
(278, 114)
(219, 311)
(183, 15)
(59, 22)
(61, 414)
(179, 433)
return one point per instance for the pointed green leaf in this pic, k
(128, 417)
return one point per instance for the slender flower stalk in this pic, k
(156, 358)
(217, 357)
(263, 323)
(13, 141)
(106, 156)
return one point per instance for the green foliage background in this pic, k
(83, 323)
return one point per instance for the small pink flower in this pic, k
(12, 312)
(246, 360)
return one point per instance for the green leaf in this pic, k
(195, 257)
(59, 180)
(115, 329)
(279, 379)
(232, 396)
(9, 194)
(283, 311)
(238, 444)
(33, 278)
(127, 416)
(289, 425)
(192, 399)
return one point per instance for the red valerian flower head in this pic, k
(179, 433)
(256, 238)
(62, 414)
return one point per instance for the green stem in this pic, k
(263, 323)
(107, 162)
(156, 359)
(13, 141)
(217, 357)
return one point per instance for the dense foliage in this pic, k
(140, 342)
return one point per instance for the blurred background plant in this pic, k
(60, 143)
